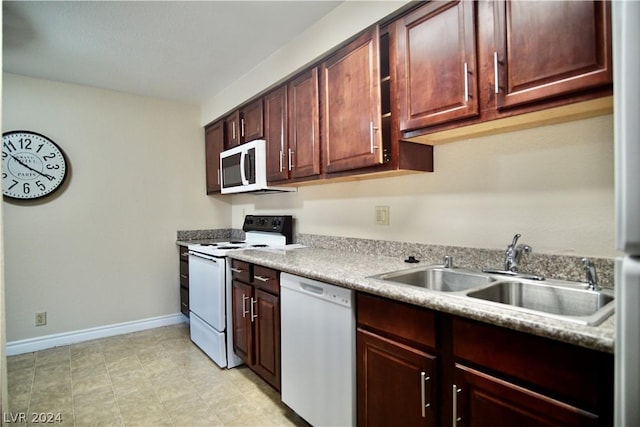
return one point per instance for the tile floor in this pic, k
(154, 378)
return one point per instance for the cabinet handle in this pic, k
(237, 270)
(242, 127)
(466, 82)
(233, 130)
(281, 153)
(423, 393)
(244, 305)
(495, 72)
(456, 419)
(372, 136)
(184, 276)
(254, 315)
(218, 176)
(290, 159)
(261, 278)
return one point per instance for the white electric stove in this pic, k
(210, 302)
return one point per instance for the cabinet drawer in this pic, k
(184, 253)
(184, 273)
(267, 279)
(568, 371)
(184, 301)
(241, 270)
(405, 321)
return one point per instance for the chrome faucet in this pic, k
(513, 254)
(592, 275)
(447, 261)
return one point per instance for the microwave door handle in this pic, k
(243, 175)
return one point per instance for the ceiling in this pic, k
(179, 50)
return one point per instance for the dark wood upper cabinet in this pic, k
(245, 124)
(303, 154)
(549, 48)
(232, 130)
(436, 63)
(214, 145)
(275, 133)
(252, 121)
(350, 85)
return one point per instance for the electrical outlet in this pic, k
(382, 215)
(41, 318)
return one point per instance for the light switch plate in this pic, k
(382, 215)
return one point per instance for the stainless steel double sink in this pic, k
(571, 301)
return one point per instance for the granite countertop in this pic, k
(350, 270)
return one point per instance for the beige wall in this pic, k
(553, 184)
(102, 250)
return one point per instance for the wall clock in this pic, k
(33, 166)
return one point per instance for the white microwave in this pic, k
(243, 169)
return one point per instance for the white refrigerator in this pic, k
(626, 56)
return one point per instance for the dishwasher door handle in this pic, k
(311, 288)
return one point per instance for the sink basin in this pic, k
(566, 302)
(437, 278)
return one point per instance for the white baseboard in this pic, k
(55, 340)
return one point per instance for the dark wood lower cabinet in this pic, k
(256, 319)
(486, 401)
(479, 374)
(396, 384)
(267, 337)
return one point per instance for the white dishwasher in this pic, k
(318, 351)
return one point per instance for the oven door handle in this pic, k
(199, 255)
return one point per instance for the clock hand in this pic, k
(49, 177)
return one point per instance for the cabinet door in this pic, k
(275, 133)
(232, 130)
(396, 383)
(242, 295)
(436, 64)
(351, 106)
(483, 400)
(251, 122)
(267, 337)
(304, 121)
(213, 146)
(550, 48)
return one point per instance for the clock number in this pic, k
(26, 189)
(50, 156)
(39, 148)
(9, 146)
(25, 143)
(40, 185)
(53, 166)
(4, 175)
(4, 155)
(14, 184)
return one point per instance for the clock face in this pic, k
(33, 166)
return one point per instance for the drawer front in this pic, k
(184, 301)
(241, 271)
(266, 279)
(405, 321)
(184, 253)
(566, 370)
(184, 273)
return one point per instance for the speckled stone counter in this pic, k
(350, 270)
